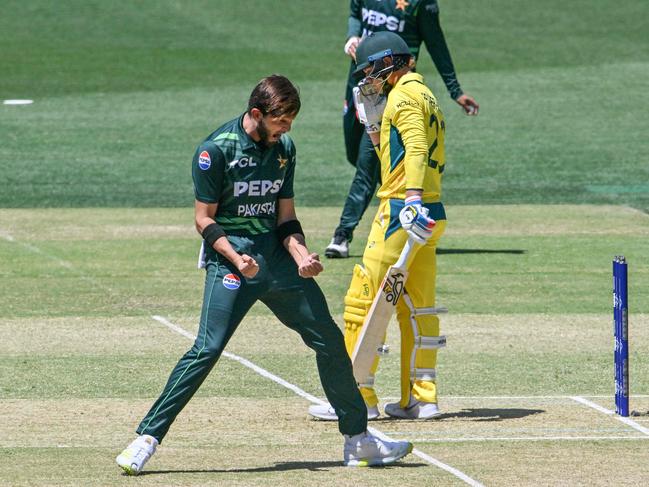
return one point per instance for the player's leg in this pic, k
(300, 305)
(303, 308)
(227, 298)
(380, 253)
(357, 302)
(420, 336)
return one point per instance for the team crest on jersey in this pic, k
(204, 160)
(282, 161)
(401, 5)
(231, 281)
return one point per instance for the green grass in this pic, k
(529, 293)
(505, 259)
(542, 189)
(124, 93)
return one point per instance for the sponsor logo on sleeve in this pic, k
(231, 281)
(204, 160)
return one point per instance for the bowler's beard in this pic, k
(264, 134)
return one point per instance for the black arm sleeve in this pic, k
(430, 31)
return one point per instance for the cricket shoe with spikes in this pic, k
(327, 413)
(367, 450)
(414, 410)
(338, 248)
(135, 455)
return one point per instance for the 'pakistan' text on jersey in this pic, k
(415, 21)
(412, 152)
(245, 178)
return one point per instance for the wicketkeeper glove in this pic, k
(370, 109)
(414, 220)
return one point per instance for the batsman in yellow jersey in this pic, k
(406, 125)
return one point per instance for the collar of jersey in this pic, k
(244, 138)
(410, 77)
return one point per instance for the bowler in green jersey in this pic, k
(254, 250)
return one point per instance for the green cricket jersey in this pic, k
(415, 21)
(245, 178)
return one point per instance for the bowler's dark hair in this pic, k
(275, 95)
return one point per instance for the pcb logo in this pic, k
(231, 281)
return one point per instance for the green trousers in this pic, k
(297, 302)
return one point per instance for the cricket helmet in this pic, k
(375, 47)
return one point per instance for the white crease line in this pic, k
(63, 263)
(448, 468)
(245, 362)
(601, 409)
(35, 250)
(528, 438)
(462, 476)
(398, 398)
(6, 236)
(636, 210)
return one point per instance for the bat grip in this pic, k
(405, 253)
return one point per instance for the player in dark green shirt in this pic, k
(254, 250)
(415, 21)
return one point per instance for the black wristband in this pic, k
(288, 228)
(212, 233)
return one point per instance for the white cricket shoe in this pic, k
(338, 248)
(135, 456)
(366, 450)
(414, 410)
(327, 413)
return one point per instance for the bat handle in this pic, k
(405, 253)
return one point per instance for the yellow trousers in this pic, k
(419, 328)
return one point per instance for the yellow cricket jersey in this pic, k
(412, 141)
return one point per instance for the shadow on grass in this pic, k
(480, 251)
(278, 467)
(488, 414)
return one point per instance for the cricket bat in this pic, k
(378, 317)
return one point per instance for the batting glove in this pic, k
(414, 220)
(370, 109)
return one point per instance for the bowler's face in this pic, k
(270, 128)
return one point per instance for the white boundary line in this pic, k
(462, 476)
(602, 409)
(17, 102)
